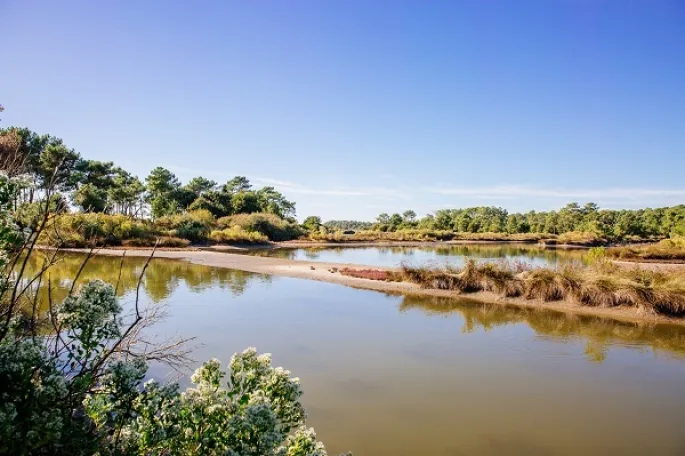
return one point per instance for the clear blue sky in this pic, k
(352, 108)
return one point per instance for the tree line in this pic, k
(49, 168)
(607, 223)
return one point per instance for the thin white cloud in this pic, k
(496, 194)
(513, 191)
(292, 187)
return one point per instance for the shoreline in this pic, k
(320, 271)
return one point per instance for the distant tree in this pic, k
(90, 198)
(245, 203)
(409, 216)
(312, 223)
(238, 184)
(347, 225)
(199, 185)
(395, 221)
(273, 202)
(162, 186)
(383, 218)
(126, 193)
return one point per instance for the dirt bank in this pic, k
(327, 272)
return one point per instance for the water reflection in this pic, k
(388, 375)
(455, 254)
(161, 279)
(598, 333)
(164, 277)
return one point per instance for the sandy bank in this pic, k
(324, 272)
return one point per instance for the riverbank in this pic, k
(329, 272)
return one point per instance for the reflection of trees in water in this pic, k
(598, 333)
(526, 252)
(161, 278)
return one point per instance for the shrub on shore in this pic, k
(237, 235)
(179, 230)
(194, 226)
(162, 241)
(581, 238)
(86, 229)
(269, 225)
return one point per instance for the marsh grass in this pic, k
(603, 285)
(665, 250)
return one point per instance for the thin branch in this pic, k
(121, 267)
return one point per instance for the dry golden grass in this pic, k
(581, 238)
(657, 292)
(665, 250)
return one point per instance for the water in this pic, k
(391, 375)
(429, 255)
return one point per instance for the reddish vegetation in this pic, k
(372, 274)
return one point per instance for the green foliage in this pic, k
(90, 229)
(199, 186)
(194, 226)
(237, 235)
(599, 224)
(90, 198)
(596, 255)
(344, 225)
(272, 226)
(580, 238)
(312, 223)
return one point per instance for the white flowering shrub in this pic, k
(70, 383)
(252, 411)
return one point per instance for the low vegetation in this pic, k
(372, 274)
(370, 236)
(178, 230)
(274, 228)
(665, 250)
(581, 238)
(598, 285)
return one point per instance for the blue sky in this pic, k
(352, 108)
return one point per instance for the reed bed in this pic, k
(600, 285)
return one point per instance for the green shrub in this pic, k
(271, 226)
(87, 229)
(162, 241)
(583, 238)
(194, 226)
(237, 235)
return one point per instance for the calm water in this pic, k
(455, 255)
(392, 376)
